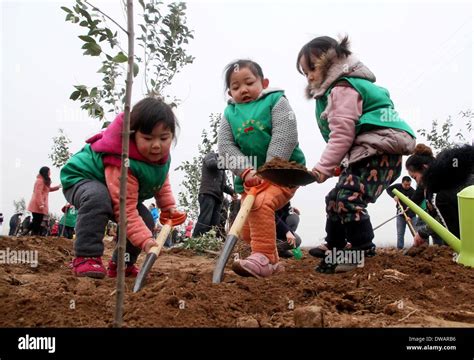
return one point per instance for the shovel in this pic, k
(407, 219)
(235, 230)
(168, 224)
(288, 177)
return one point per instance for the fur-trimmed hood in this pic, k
(333, 68)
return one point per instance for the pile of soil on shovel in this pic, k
(423, 287)
(279, 163)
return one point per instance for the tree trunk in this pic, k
(124, 172)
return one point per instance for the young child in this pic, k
(91, 182)
(364, 134)
(258, 123)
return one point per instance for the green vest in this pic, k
(377, 109)
(251, 125)
(87, 164)
(69, 219)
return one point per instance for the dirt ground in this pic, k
(422, 288)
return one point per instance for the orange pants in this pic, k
(259, 228)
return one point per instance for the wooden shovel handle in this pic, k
(245, 208)
(160, 240)
(407, 219)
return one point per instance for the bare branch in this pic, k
(107, 16)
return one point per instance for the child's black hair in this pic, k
(321, 45)
(255, 68)
(406, 178)
(44, 172)
(152, 111)
(423, 155)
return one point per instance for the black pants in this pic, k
(209, 214)
(35, 226)
(68, 231)
(92, 200)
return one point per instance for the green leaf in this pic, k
(120, 58)
(86, 39)
(66, 9)
(93, 92)
(103, 69)
(93, 49)
(75, 95)
(135, 69)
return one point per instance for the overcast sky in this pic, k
(420, 52)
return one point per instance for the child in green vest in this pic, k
(68, 221)
(258, 125)
(365, 138)
(91, 182)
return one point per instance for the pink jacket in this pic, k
(189, 229)
(343, 112)
(39, 200)
(137, 232)
(110, 142)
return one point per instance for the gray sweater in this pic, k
(284, 135)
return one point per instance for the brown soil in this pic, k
(278, 163)
(423, 288)
(285, 173)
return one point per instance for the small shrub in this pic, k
(207, 241)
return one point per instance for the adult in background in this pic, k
(446, 175)
(287, 220)
(15, 222)
(406, 189)
(38, 205)
(213, 185)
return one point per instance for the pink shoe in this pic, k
(130, 270)
(257, 265)
(88, 266)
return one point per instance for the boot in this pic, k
(360, 234)
(335, 238)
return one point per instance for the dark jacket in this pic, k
(451, 172)
(408, 193)
(213, 179)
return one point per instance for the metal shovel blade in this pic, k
(147, 265)
(229, 244)
(288, 177)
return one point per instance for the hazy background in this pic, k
(421, 52)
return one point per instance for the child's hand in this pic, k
(418, 240)
(251, 179)
(320, 177)
(149, 245)
(290, 238)
(175, 213)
